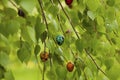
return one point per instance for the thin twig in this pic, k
(115, 34)
(64, 35)
(20, 41)
(69, 19)
(43, 76)
(43, 14)
(13, 4)
(50, 59)
(72, 53)
(44, 47)
(38, 63)
(85, 75)
(44, 19)
(60, 24)
(52, 2)
(95, 62)
(58, 46)
(95, 28)
(109, 39)
(79, 37)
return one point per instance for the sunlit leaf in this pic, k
(28, 5)
(91, 14)
(93, 4)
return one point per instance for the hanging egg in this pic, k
(68, 2)
(59, 39)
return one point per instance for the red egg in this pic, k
(68, 2)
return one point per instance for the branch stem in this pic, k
(13, 4)
(43, 14)
(60, 24)
(79, 38)
(43, 76)
(44, 19)
(38, 63)
(95, 62)
(69, 19)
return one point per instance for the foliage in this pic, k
(91, 31)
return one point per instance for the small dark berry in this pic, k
(21, 13)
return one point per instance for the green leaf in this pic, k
(81, 6)
(57, 59)
(59, 51)
(91, 14)
(24, 53)
(10, 27)
(74, 17)
(24, 33)
(110, 2)
(111, 25)
(100, 20)
(110, 14)
(89, 73)
(79, 45)
(5, 2)
(51, 74)
(109, 62)
(31, 20)
(2, 71)
(31, 33)
(44, 36)
(88, 24)
(4, 59)
(37, 50)
(113, 73)
(5, 49)
(80, 65)
(91, 66)
(70, 76)
(80, 15)
(17, 1)
(28, 33)
(22, 21)
(28, 5)
(10, 12)
(59, 70)
(9, 76)
(93, 4)
(117, 56)
(50, 45)
(53, 10)
(53, 27)
(94, 42)
(39, 28)
(4, 44)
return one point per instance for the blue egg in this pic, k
(59, 39)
